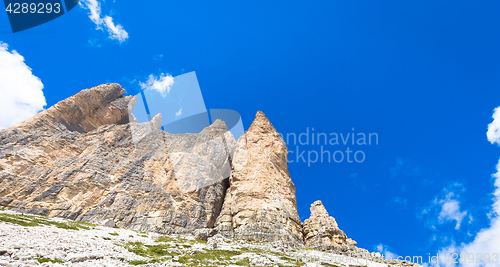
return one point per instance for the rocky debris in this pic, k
(81, 159)
(204, 233)
(260, 203)
(92, 245)
(215, 241)
(321, 231)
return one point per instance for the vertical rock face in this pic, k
(321, 231)
(81, 159)
(260, 203)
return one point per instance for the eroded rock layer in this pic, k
(260, 203)
(81, 159)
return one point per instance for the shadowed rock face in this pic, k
(260, 203)
(321, 231)
(80, 160)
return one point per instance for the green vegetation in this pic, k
(32, 220)
(115, 234)
(42, 260)
(131, 236)
(143, 262)
(106, 238)
(201, 258)
(165, 238)
(140, 249)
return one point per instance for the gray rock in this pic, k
(109, 223)
(204, 233)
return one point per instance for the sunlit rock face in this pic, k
(84, 159)
(321, 231)
(260, 203)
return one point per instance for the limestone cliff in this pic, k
(80, 160)
(260, 203)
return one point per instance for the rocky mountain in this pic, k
(87, 159)
(79, 160)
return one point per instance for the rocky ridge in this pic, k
(87, 159)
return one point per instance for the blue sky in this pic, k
(422, 75)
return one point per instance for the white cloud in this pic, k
(384, 250)
(450, 210)
(178, 112)
(22, 96)
(162, 84)
(116, 31)
(493, 133)
(486, 242)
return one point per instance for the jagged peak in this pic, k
(262, 126)
(317, 209)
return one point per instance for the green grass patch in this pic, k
(31, 220)
(106, 238)
(42, 260)
(154, 251)
(143, 262)
(115, 234)
(203, 258)
(244, 262)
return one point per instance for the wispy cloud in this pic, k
(158, 57)
(404, 167)
(162, 83)
(445, 208)
(450, 210)
(115, 31)
(400, 201)
(22, 95)
(178, 112)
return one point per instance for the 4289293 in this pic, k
(40, 8)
